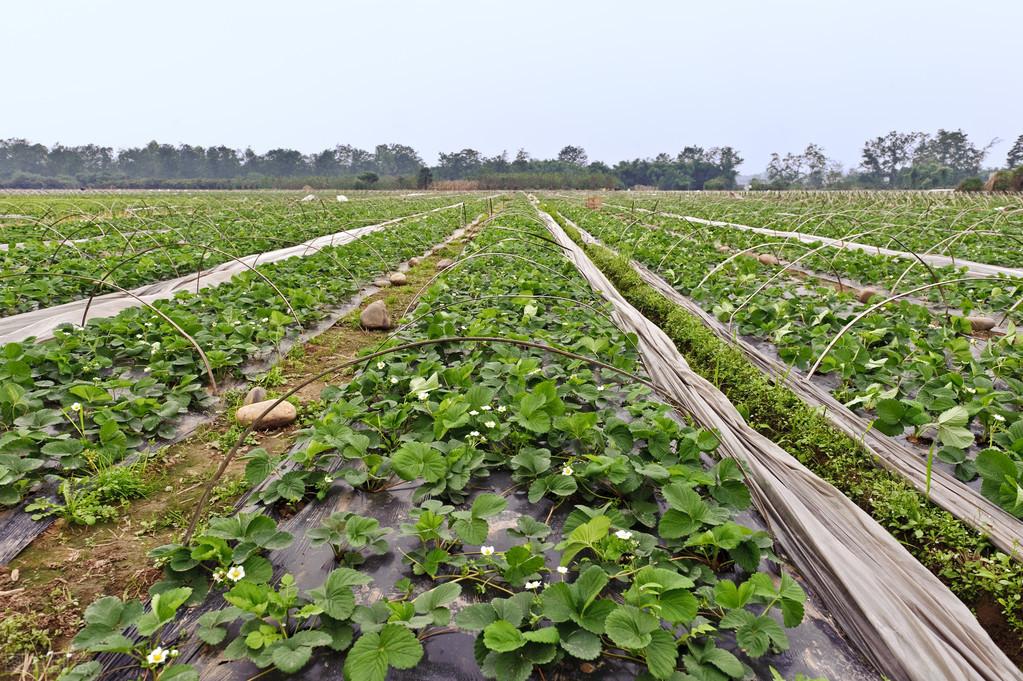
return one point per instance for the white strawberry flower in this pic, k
(485, 407)
(157, 655)
(236, 573)
(502, 409)
(423, 396)
(474, 433)
(76, 406)
(623, 534)
(487, 550)
(567, 470)
(600, 388)
(533, 585)
(380, 365)
(999, 417)
(394, 380)
(474, 413)
(490, 424)
(562, 570)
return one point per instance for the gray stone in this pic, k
(398, 279)
(767, 259)
(278, 417)
(257, 394)
(381, 283)
(412, 262)
(375, 316)
(445, 263)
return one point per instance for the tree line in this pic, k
(33, 165)
(896, 160)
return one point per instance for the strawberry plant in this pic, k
(348, 534)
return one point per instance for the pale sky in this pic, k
(622, 79)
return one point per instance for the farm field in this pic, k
(597, 436)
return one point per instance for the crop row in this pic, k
(142, 250)
(984, 229)
(612, 544)
(958, 290)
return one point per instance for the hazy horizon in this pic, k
(621, 81)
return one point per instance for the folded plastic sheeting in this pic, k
(980, 269)
(42, 323)
(899, 615)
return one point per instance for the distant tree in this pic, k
(191, 161)
(425, 178)
(571, 155)
(354, 160)
(948, 154)
(521, 161)
(496, 164)
(251, 161)
(786, 171)
(368, 178)
(223, 162)
(459, 164)
(284, 163)
(816, 166)
(1015, 157)
(728, 161)
(397, 159)
(691, 168)
(884, 157)
(811, 169)
(88, 159)
(326, 164)
(21, 155)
